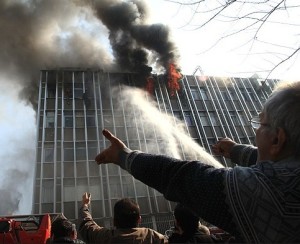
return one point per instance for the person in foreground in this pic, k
(254, 203)
(126, 220)
(188, 228)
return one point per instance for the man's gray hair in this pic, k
(282, 109)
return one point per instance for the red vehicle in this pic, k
(25, 229)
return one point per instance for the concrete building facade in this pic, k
(76, 104)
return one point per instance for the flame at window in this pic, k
(173, 77)
(150, 85)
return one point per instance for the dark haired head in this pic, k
(62, 228)
(186, 219)
(126, 213)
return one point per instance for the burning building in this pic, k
(76, 104)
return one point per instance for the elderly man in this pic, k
(257, 203)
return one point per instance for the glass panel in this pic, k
(188, 119)
(204, 119)
(195, 94)
(68, 154)
(68, 169)
(68, 122)
(69, 193)
(48, 155)
(81, 169)
(50, 118)
(47, 191)
(115, 186)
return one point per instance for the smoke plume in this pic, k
(132, 39)
(41, 34)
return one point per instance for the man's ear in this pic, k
(278, 143)
(74, 235)
(139, 219)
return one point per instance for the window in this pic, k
(51, 91)
(95, 190)
(204, 119)
(80, 154)
(225, 95)
(90, 120)
(79, 122)
(47, 191)
(188, 119)
(68, 119)
(127, 186)
(203, 94)
(68, 91)
(50, 118)
(243, 119)
(115, 186)
(177, 115)
(195, 94)
(213, 118)
(232, 94)
(234, 118)
(78, 92)
(79, 119)
(69, 193)
(252, 94)
(68, 154)
(48, 155)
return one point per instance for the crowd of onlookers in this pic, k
(127, 220)
(255, 201)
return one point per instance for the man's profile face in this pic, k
(264, 137)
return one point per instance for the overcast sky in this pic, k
(234, 56)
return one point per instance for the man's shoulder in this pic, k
(149, 231)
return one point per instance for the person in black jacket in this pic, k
(64, 231)
(188, 227)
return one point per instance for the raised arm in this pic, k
(243, 155)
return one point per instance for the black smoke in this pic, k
(132, 39)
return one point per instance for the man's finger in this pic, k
(108, 135)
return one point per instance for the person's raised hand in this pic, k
(86, 198)
(110, 154)
(223, 147)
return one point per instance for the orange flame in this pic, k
(150, 85)
(173, 78)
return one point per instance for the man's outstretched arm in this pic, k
(195, 184)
